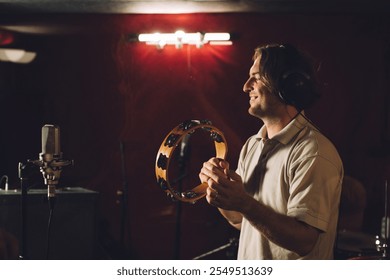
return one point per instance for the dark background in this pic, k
(103, 89)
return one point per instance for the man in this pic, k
(284, 195)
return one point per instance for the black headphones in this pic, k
(297, 89)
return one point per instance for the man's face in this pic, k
(262, 102)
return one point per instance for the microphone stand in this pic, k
(178, 217)
(51, 168)
(384, 253)
(124, 196)
(182, 170)
(24, 172)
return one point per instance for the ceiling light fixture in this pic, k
(17, 55)
(180, 38)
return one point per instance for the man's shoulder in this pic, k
(311, 142)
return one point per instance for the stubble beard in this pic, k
(262, 111)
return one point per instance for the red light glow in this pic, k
(6, 38)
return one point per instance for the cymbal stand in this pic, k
(233, 243)
(386, 225)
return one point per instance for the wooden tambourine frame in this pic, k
(169, 145)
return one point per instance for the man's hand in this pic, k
(226, 189)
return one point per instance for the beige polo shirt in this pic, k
(297, 173)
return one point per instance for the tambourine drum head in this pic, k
(181, 156)
(185, 167)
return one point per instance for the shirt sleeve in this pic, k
(315, 186)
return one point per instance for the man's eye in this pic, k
(255, 79)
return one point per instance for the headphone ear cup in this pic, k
(297, 89)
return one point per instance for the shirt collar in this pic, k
(287, 133)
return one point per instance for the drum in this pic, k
(378, 257)
(357, 245)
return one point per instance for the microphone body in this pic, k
(50, 160)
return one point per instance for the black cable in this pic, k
(49, 225)
(337, 238)
(309, 121)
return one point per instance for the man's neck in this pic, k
(275, 124)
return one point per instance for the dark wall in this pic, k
(103, 90)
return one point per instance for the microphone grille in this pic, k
(51, 139)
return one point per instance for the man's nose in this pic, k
(247, 86)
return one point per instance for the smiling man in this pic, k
(284, 195)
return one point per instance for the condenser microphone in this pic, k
(50, 159)
(51, 152)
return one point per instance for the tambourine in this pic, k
(168, 146)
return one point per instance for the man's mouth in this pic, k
(252, 98)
